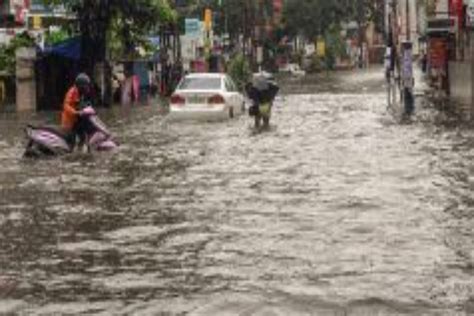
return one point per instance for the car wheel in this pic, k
(231, 112)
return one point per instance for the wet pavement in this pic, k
(339, 209)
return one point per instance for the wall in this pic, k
(461, 75)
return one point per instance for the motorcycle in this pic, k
(50, 141)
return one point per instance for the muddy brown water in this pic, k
(337, 210)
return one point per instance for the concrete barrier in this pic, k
(25, 79)
(460, 81)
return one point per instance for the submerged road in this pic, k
(337, 210)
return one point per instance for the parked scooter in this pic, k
(49, 141)
(262, 91)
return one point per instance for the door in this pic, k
(236, 97)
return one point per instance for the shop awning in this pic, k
(70, 49)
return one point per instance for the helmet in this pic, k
(82, 80)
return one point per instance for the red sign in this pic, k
(456, 10)
(21, 7)
(278, 5)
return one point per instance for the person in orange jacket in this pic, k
(71, 121)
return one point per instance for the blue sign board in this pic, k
(193, 27)
(37, 6)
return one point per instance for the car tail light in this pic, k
(177, 100)
(216, 99)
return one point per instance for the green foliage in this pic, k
(313, 18)
(56, 37)
(125, 22)
(239, 70)
(8, 52)
(316, 64)
(335, 46)
(230, 16)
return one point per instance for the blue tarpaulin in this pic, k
(70, 49)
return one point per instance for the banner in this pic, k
(456, 10)
(208, 19)
(470, 13)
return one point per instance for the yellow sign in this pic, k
(208, 19)
(36, 22)
(321, 48)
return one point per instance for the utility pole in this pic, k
(106, 67)
(408, 20)
(261, 34)
(407, 66)
(391, 55)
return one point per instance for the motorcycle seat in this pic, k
(52, 129)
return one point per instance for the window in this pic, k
(230, 85)
(201, 84)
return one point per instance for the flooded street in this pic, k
(337, 210)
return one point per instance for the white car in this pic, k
(293, 69)
(206, 96)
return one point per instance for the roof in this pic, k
(206, 75)
(70, 48)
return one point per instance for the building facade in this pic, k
(461, 64)
(13, 18)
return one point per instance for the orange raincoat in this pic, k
(70, 112)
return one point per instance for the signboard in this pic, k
(38, 7)
(456, 11)
(192, 27)
(436, 25)
(470, 13)
(36, 22)
(321, 48)
(442, 8)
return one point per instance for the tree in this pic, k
(233, 17)
(127, 20)
(8, 52)
(311, 18)
(364, 12)
(131, 20)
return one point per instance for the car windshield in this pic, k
(200, 84)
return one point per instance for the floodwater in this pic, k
(339, 209)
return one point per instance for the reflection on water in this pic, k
(338, 210)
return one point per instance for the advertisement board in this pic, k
(470, 13)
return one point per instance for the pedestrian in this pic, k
(76, 99)
(262, 91)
